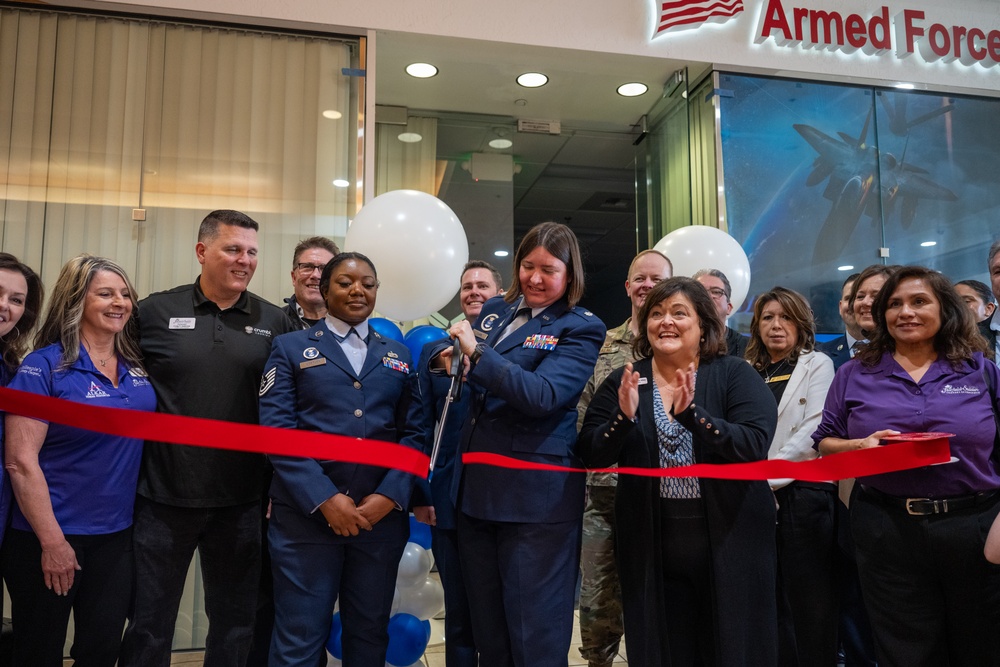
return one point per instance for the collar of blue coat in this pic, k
(342, 328)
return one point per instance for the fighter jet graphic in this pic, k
(856, 173)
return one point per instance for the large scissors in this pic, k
(454, 394)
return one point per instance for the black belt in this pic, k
(928, 506)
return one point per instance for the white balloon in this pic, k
(396, 598)
(697, 247)
(423, 601)
(414, 565)
(418, 246)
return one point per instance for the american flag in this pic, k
(691, 12)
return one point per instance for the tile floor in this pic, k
(433, 657)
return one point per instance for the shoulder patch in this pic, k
(267, 381)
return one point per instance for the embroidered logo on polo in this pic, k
(96, 391)
(961, 389)
(396, 364)
(540, 342)
(33, 371)
(266, 333)
(267, 381)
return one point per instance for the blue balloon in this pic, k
(386, 328)
(408, 637)
(420, 533)
(417, 337)
(335, 643)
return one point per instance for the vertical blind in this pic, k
(100, 115)
(103, 115)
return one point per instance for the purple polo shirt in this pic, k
(864, 399)
(91, 476)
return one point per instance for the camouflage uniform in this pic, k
(601, 626)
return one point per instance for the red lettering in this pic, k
(880, 21)
(832, 24)
(993, 45)
(912, 31)
(774, 19)
(958, 33)
(976, 51)
(855, 30)
(939, 32)
(799, 16)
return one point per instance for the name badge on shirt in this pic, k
(643, 380)
(540, 342)
(312, 362)
(396, 365)
(181, 323)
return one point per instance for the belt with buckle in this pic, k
(929, 506)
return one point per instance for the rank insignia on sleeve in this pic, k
(267, 381)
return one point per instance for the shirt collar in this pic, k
(242, 303)
(342, 328)
(851, 340)
(995, 320)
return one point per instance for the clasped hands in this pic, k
(345, 518)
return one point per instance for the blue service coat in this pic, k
(837, 349)
(432, 392)
(523, 405)
(309, 384)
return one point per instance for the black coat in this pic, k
(732, 419)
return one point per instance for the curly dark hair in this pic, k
(957, 339)
(713, 331)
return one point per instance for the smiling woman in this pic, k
(920, 533)
(530, 354)
(64, 550)
(695, 556)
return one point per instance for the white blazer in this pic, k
(801, 410)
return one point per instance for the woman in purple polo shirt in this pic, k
(932, 597)
(69, 544)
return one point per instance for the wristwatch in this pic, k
(477, 353)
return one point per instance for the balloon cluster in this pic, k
(417, 599)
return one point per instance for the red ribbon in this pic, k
(214, 433)
(200, 432)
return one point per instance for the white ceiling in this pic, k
(584, 176)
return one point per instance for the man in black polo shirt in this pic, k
(204, 347)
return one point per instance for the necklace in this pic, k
(773, 372)
(103, 362)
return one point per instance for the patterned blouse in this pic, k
(676, 450)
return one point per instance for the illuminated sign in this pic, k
(906, 33)
(903, 34)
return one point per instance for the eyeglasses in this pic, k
(717, 293)
(307, 268)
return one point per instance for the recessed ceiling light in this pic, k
(501, 253)
(501, 143)
(845, 267)
(532, 79)
(928, 244)
(332, 114)
(409, 137)
(341, 183)
(632, 89)
(905, 86)
(421, 70)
